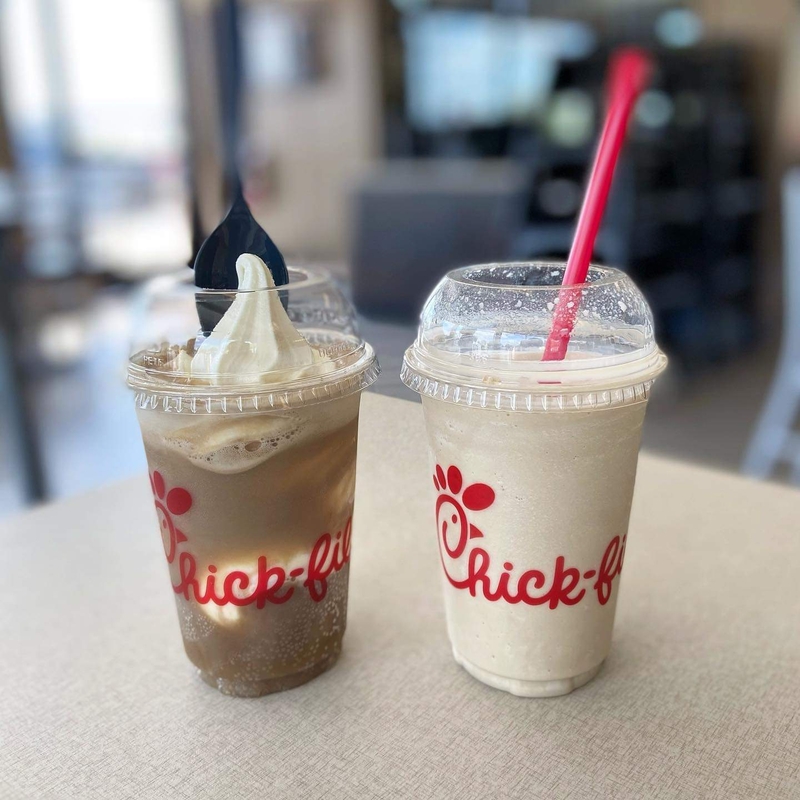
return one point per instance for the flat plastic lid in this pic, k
(483, 331)
(168, 334)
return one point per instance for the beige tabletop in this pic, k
(700, 697)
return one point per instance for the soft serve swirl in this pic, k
(255, 337)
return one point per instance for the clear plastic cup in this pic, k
(253, 479)
(534, 464)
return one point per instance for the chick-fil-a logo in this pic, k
(265, 584)
(467, 563)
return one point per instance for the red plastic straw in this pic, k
(628, 73)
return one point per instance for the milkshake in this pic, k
(250, 433)
(533, 466)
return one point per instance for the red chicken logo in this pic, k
(452, 522)
(168, 505)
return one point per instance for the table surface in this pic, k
(700, 697)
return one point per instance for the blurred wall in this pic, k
(307, 143)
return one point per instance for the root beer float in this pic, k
(248, 401)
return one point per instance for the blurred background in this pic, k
(390, 140)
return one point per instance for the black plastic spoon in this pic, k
(215, 264)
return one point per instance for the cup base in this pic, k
(522, 688)
(234, 688)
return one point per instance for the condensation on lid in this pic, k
(483, 331)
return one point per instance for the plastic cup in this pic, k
(253, 480)
(534, 464)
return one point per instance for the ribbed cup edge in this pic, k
(507, 400)
(183, 402)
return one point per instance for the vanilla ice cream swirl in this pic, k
(255, 337)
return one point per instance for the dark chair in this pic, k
(414, 220)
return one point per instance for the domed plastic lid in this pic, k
(483, 331)
(283, 347)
